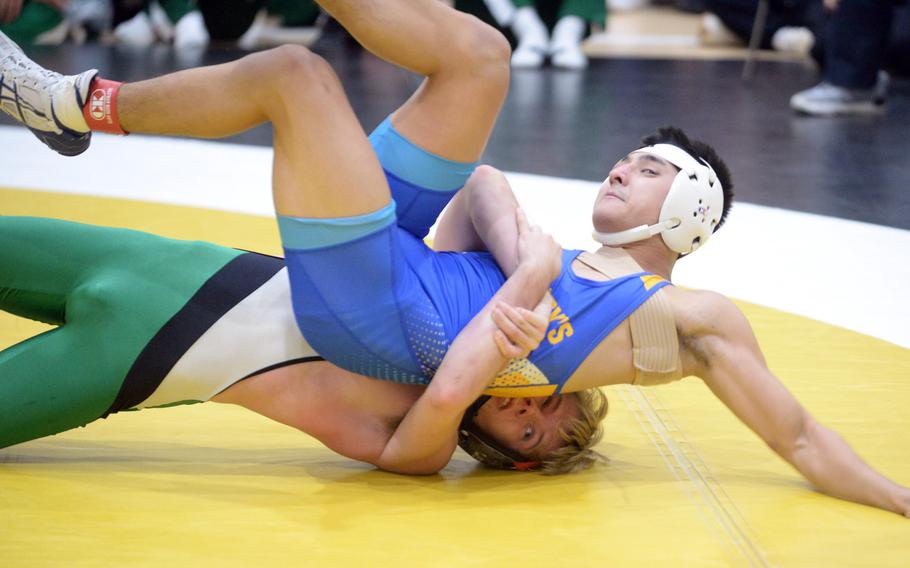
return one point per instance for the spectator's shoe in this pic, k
(826, 99)
(48, 103)
(569, 57)
(794, 40)
(137, 31)
(190, 31)
(565, 43)
(712, 31)
(528, 56)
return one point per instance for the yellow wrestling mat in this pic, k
(688, 485)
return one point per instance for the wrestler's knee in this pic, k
(292, 71)
(481, 50)
(485, 174)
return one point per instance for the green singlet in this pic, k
(109, 291)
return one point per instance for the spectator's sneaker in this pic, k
(190, 31)
(826, 99)
(565, 43)
(794, 40)
(569, 57)
(528, 56)
(712, 31)
(48, 103)
(137, 31)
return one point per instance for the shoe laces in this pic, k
(26, 72)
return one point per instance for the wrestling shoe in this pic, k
(47, 103)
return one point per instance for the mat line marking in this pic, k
(719, 511)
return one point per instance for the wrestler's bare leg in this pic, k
(324, 165)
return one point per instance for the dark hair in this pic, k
(697, 149)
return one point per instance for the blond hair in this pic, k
(577, 454)
(584, 433)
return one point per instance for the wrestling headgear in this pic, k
(690, 212)
(484, 449)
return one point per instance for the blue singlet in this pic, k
(371, 297)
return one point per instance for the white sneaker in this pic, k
(54, 36)
(826, 99)
(793, 40)
(532, 38)
(528, 55)
(190, 31)
(713, 31)
(137, 31)
(47, 103)
(569, 57)
(565, 43)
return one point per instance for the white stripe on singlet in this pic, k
(256, 334)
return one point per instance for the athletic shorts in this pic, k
(368, 294)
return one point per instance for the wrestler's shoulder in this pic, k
(701, 311)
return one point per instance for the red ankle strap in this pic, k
(100, 110)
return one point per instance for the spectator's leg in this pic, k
(532, 36)
(227, 20)
(855, 47)
(572, 26)
(857, 39)
(898, 57)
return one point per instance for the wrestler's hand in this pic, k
(537, 249)
(903, 501)
(520, 331)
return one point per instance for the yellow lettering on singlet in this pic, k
(564, 330)
(651, 280)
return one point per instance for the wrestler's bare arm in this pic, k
(729, 360)
(482, 217)
(424, 441)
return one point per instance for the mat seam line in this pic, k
(688, 466)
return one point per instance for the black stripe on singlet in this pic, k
(288, 363)
(236, 280)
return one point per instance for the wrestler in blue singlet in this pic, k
(370, 296)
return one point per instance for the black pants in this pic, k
(856, 42)
(227, 20)
(738, 15)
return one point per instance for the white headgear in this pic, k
(690, 212)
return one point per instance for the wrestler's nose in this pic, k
(619, 175)
(526, 406)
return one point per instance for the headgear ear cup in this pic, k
(691, 210)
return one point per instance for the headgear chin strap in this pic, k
(690, 212)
